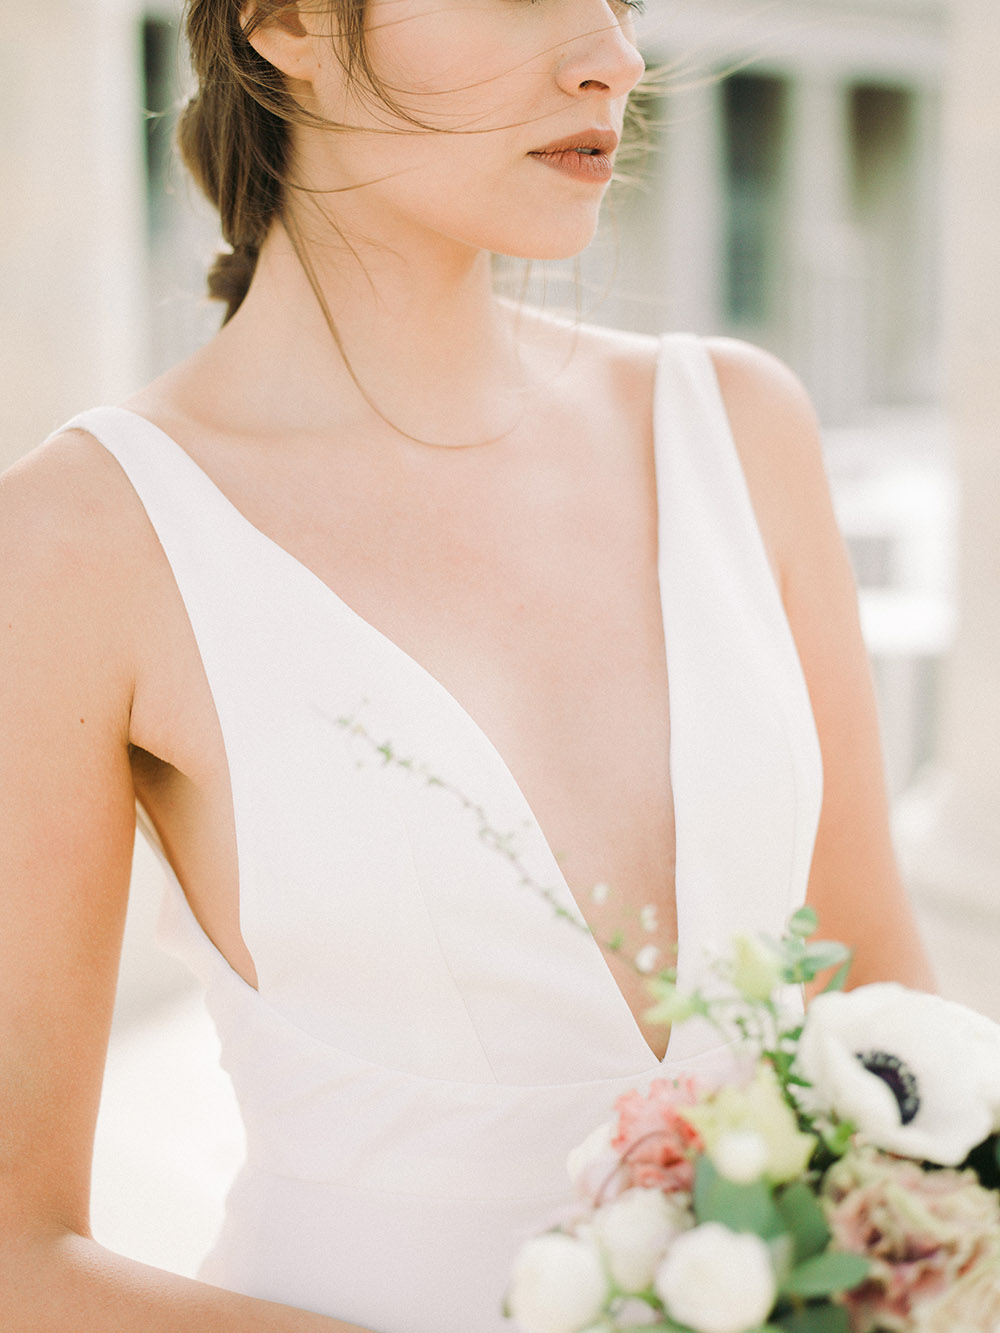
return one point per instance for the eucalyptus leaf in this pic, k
(738, 1207)
(826, 953)
(816, 1319)
(804, 922)
(793, 950)
(839, 978)
(803, 1218)
(666, 1325)
(825, 1275)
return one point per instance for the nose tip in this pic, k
(604, 60)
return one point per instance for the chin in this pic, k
(558, 243)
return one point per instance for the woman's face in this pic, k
(505, 80)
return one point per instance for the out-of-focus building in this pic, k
(793, 191)
(792, 196)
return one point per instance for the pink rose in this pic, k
(656, 1146)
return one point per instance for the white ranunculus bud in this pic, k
(716, 1280)
(740, 1155)
(633, 1233)
(558, 1284)
(918, 1075)
(596, 1145)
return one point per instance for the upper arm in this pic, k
(67, 815)
(854, 883)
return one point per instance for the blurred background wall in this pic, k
(824, 179)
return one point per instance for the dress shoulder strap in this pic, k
(705, 502)
(174, 490)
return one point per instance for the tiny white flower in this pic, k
(599, 894)
(717, 1281)
(648, 958)
(634, 1232)
(649, 917)
(918, 1075)
(558, 1285)
(741, 1155)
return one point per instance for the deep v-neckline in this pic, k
(326, 593)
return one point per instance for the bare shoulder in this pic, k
(65, 504)
(71, 542)
(768, 405)
(778, 440)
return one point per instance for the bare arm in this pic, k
(67, 817)
(854, 884)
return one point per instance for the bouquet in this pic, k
(849, 1182)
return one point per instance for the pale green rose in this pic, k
(740, 1155)
(757, 1107)
(756, 968)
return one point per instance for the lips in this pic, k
(592, 143)
(586, 157)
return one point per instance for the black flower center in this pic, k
(898, 1077)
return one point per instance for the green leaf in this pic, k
(804, 1221)
(816, 1319)
(739, 1207)
(825, 1275)
(838, 1137)
(804, 922)
(666, 1325)
(839, 978)
(824, 954)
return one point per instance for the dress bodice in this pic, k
(433, 1026)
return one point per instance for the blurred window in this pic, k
(181, 230)
(755, 127)
(159, 53)
(884, 185)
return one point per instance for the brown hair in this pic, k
(234, 133)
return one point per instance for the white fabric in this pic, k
(429, 1037)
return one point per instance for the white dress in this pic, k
(430, 1037)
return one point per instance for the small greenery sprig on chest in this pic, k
(504, 842)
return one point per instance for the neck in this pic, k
(419, 339)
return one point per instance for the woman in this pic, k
(381, 583)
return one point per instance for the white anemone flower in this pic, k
(919, 1076)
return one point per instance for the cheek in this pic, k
(459, 65)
